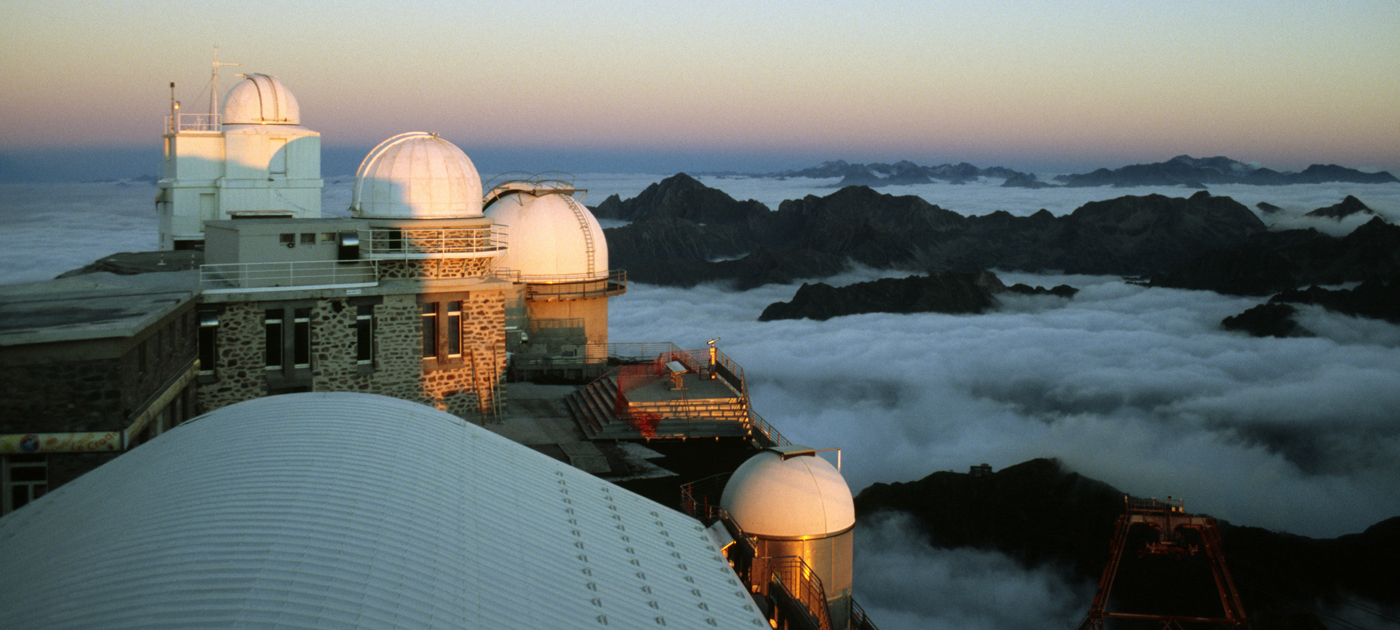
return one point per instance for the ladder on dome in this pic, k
(588, 245)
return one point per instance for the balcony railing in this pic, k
(575, 287)
(419, 243)
(193, 122)
(278, 276)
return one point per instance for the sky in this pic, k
(667, 86)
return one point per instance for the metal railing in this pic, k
(575, 287)
(414, 243)
(193, 122)
(860, 620)
(275, 276)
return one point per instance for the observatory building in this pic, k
(322, 411)
(251, 160)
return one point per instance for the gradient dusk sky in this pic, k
(1032, 85)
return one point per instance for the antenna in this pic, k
(214, 90)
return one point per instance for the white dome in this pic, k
(416, 175)
(551, 235)
(260, 99)
(802, 495)
(347, 510)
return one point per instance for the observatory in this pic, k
(252, 160)
(558, 263)
(324, 431)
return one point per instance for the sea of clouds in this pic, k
(1138, 387)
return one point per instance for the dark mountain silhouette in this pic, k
(1128, 236)
(1041, 514)
(903, 172)
(949, 292)
(1184, 170)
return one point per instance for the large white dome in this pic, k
(416, 175)
(787, 495)
(260, 99)
(552, 236)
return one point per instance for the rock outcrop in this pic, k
(949, 292)
(1184, 170)
(1042, 514)
(1127, 236)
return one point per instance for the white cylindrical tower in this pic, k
(797, 504)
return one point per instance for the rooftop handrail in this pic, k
(576, 286)
(546, 179)
(193, 122)
(266, 276)
(408, 242)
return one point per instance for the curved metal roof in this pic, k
(342, 510)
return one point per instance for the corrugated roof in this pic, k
(341, 510)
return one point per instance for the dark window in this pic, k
(25, 478)
(454, 329)
(429, 331)
(308, 239)
(272, 325)
(301, 338)
(290, 240)
(364, 334)
(208, 341)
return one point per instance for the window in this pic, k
(208, 341)
(308, 238)
(289, 240)
(444, 338)
(364, 334)
(454, 329)
(301, 338)
(430, 331)
(23, 478)
(327, 237)
(272, 326)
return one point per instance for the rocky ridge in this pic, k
(1042, 514)
(950, 292)
(1184, 170)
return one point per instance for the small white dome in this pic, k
(802, 495)
(551, 235)
(260, 99)
(416, 175)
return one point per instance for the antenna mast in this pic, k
(214, 88)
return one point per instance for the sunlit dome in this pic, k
(552, 236)
(777, 494)
(260, 99)
(348, 510)
(416, 175)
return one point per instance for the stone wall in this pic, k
(240, 369)
(467, 386)
(436, 268)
